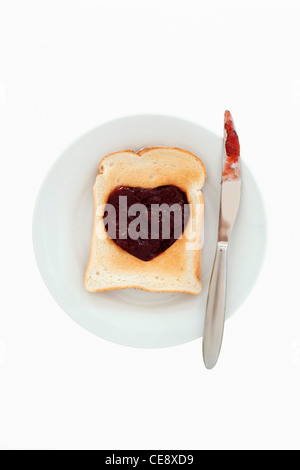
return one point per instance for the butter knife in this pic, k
(229, 204)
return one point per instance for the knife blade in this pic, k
(229, 205)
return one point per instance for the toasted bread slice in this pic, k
(178, 269)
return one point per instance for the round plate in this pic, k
(62, 229)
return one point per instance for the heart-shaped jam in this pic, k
(146, 222)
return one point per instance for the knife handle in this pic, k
(215, 308)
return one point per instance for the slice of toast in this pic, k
(178, 269)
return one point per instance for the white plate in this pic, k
(62, 228)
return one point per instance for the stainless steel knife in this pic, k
(229, 204)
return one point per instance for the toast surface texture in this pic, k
(178, 269)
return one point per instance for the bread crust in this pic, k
(176, 269)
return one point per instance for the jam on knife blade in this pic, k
(231, 167)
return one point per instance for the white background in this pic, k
(67, 66)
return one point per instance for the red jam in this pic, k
(232, 147)
(152, 238)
